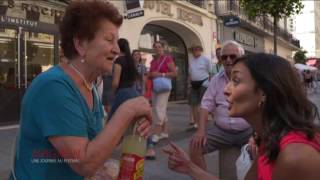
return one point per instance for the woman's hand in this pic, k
(178, 160)
(140, 110)
(143, 127)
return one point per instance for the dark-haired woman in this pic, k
(61, 132)
(124, 76)
(142, 71)
(265, 90)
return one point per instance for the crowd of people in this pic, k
(81, 108)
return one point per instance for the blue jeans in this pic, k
(122, 95)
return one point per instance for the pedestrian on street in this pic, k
(227, 131)
(218, 67)
(107, 93)
(265, 90)
(199, 70)
(142, 71)
(161, 66)
(124, 77)
(61, 133)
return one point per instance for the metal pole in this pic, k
(19, 55)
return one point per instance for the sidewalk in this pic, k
(178, 113)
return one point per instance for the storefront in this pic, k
(251, 42)
(178, 24)
(29, 41)
(29, 44)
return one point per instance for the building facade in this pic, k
(317, 27)
(307, 28)
(179, 24)
(254, 34)
(29, 43)
(29, 40)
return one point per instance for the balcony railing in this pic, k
(199, 3)
(231, 7)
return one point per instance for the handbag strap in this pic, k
(165, 58)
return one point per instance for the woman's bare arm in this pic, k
(116, 77)
(92, 154)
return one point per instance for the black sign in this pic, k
(135, 14)
(231, 21)
(132, 4)
(35, 26)
(18, 21)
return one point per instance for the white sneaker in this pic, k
(164, 135)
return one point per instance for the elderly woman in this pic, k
(265, 90)
(61, 134)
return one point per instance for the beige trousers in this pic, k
(159, 104)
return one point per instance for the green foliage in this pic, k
(300, 56)
(275, 8)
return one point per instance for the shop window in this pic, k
(199, 3)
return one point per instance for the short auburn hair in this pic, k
(82, 20)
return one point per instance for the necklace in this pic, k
(86, 84)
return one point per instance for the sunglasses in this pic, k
(196, 49)
(231, 56)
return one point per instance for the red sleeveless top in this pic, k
(265, 169)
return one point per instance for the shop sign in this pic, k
(18, 21)
(244, 38)
(166, 9)
(36, 8)
(231, 21)
(135, 14)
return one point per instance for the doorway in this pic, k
(174, 46)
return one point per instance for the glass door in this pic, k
(9, 88)
(24, 55)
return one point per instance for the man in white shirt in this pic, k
(200, 68)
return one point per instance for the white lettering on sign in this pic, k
(18, 21)
(245, 39)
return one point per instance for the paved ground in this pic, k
(154, 170)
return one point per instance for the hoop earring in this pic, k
(260, 104)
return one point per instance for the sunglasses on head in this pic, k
(231, 56)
